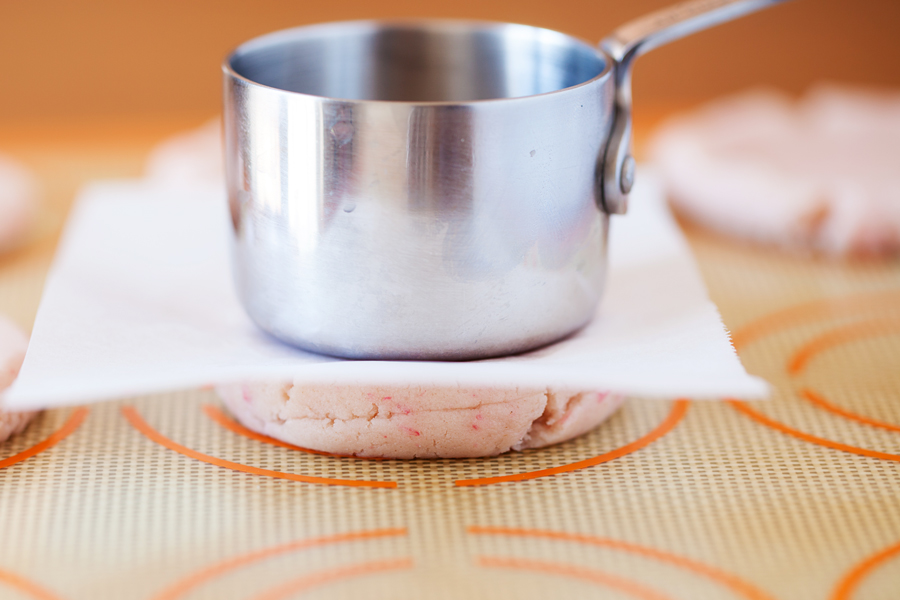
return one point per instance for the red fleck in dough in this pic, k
(12, 351)
(416, 421)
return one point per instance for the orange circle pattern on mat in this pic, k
(850, 581)
(216, 415)
(74, 422)
(820, 309)
(737, 585)
(133, 417)
(301, 584)
(853, 306)
(194, 580)
(30, 589)
(679, 410)
(626, 586)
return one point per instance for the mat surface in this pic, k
(165, 497)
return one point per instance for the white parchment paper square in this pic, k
(140, 300)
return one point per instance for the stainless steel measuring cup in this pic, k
(433, 189)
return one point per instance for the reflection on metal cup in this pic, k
(432, 190)
(419, 190)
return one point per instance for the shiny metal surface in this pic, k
(426, 190)
(638, 37)
(385, 208)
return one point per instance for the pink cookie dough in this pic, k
(413, 421)
(12, 351)
(18, 203)
(817, 174)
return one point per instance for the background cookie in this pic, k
(13, 344)
(194, 156)
(18, 203)
(416, 421)
(819, 173)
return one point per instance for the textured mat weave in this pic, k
(165, 497)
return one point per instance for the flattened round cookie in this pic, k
(18, 203)
(13, 343)
(415, 421)
(817, 174)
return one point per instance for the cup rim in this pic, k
(412, 24)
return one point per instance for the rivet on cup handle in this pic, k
(632, 40)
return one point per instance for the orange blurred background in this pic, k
(90, 87)
(64, 60)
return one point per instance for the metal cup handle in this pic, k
(632, 40)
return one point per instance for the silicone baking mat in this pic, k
(165, 497)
